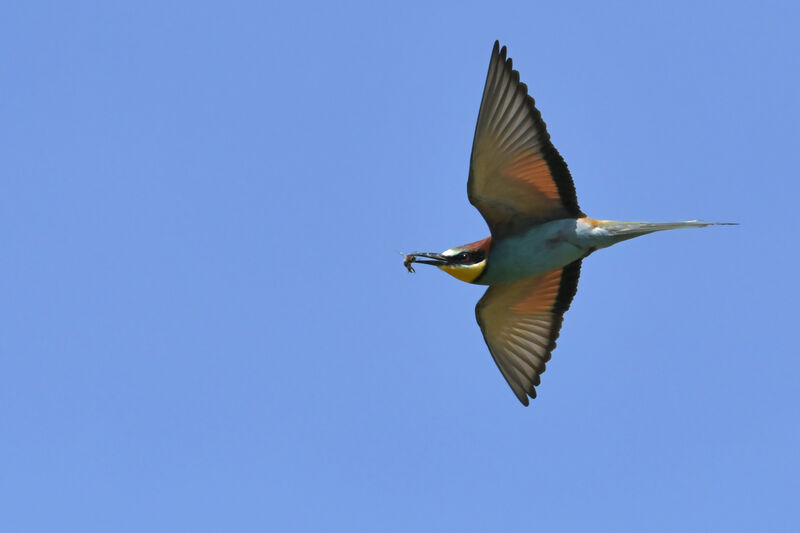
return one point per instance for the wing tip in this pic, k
(500, 52)
(526, 397)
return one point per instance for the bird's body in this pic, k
(540, 249)
(557, 243)
(531, 262)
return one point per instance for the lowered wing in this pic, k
(520, 322)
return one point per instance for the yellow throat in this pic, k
(468, 273)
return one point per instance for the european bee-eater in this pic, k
(539, 235)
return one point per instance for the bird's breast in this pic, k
(541, 249)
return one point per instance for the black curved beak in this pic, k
(430, 259)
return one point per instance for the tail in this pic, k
(621, 231)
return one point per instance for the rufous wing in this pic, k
(517, 178)
(521, 321)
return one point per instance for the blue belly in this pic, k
(541, 249)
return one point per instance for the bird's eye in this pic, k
(463, 257)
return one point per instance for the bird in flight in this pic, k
(539, 235)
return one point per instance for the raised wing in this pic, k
(516, 177)
(520, 323)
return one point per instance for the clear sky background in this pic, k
(206, 324)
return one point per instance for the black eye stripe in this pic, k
(466, 258)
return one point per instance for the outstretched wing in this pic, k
(520, 322)
(516, 177)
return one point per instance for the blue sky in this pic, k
(207, 325)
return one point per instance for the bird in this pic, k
(539, 235)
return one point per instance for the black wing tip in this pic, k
(497, 50)
(524, 400)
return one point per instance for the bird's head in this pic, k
(465, 262)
